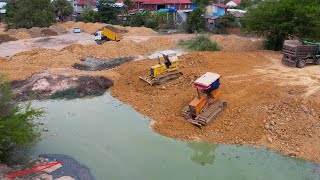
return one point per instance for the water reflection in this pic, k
(204, 153)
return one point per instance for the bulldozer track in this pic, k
(207, 115)
(163, 78)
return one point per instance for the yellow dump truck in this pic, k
(107, 35)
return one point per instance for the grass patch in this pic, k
(200, 43)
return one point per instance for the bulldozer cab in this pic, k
(207, 84)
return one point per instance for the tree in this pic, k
(278, 20)
(29, 13)
(196, 21)
(138, 20)
(89, 15)
(63, 8)
(17, 128)
(107, 13)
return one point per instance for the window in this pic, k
(188, 6)
(185, 6)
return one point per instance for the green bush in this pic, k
(17, 128)
(196, 21)
(200, 43)
(30, 13)
(152, 24)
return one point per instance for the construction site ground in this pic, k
(269, 104)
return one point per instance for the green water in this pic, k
(114, 141)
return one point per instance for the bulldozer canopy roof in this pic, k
(207, 79)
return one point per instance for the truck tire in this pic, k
(301, 63)
(317, 61)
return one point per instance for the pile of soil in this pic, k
(44, 85)
(86, 27)
(117, 29)
(247, 93)
(4, 37)
(95, 64)
(237, 43)
(94, 27)
(35, 32)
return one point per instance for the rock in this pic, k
(163, 87)
(269, 139)
(267, 127)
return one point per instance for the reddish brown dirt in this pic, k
(268, 104)
(253, 102)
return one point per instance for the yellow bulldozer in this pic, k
(163, 72)
(206, 106)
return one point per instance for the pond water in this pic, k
(115, 142)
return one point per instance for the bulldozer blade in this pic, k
(148, 80)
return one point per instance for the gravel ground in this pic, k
(52, 42)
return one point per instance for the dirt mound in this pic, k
(237, 43)
(58, 86)
(35, 32)
(24, 64)
(4, 37)
(294, 124)
(49, 32)
(22, 35)
(117, 29)
(140, 31)
(247, 93)
(86, 27)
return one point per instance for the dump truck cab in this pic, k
(206, 106)
(299, 53)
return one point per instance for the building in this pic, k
(155, 5)
(78, 5)
(213, 10)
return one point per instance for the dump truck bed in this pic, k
(299, 50)
(111, 35)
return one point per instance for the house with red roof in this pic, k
(155, 5)
(78, 5)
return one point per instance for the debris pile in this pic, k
(293, 124)
(237, 43)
